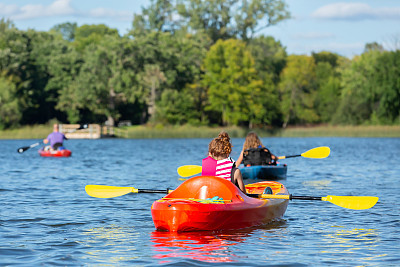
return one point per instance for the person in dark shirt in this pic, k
(254, 152)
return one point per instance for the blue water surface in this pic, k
(46, 217)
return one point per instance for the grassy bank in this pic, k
(342, 131)
(314, 131)
(41, 131)
(27, 132)
(182, 131)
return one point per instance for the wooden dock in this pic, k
(91, 131)
(73, 131)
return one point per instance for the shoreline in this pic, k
(185, 131)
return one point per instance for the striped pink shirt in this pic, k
(224, 168)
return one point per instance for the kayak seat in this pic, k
(206, 187)
(268, 190)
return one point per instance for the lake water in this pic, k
(46, 218)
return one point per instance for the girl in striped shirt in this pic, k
(218, 163)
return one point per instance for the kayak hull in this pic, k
(264, 172)
(192, 206)
(56, 153)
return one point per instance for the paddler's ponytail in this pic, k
(220, 146)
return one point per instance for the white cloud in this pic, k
(7, 10)
(59, 8)
(355, 11)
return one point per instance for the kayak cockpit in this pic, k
(206, 187)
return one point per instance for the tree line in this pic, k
(190, 62)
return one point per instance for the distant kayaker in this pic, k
(254, 153)
(218, 163)
(55, 138)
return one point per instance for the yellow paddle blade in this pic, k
(189, 170)
(106, 191)
(317, 153)
(352, 202)
(348, 202)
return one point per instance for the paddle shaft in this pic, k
(25, 148)
(290, 197)
(165, 191)
(292, 156)
(304, 197)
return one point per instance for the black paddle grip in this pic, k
(305, 197)
(165, 191)
(292, 156)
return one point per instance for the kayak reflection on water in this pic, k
(206, 246)
(201, 246)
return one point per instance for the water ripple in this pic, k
(46, 217)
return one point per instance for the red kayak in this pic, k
(55, 153)
(212, 203)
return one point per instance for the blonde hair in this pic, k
(220, 146)
(252, 141)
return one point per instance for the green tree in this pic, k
(328, 84)
(253, 16)
(328, 88)
(219, 19)
(105, 80)
(187, 55)
(157, 17)
(234, 89)
(10, 107)
(326, 56)
(64, 64)
(178, 56)
(224, 19)
(374, 46)
(269, 57)
(21, 58)
(67, 30)
(297, 88)
(92, 34)
(151, 80)
(198, 92)
(176, 108)
(14, 66)
(386, 81)
(358, 96)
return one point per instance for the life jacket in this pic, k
(257, 156)
(210, 168)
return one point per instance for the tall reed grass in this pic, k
(342, 131)
(28, 132)
(159, 131)
(182, 131)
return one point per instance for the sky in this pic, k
(342, 27)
